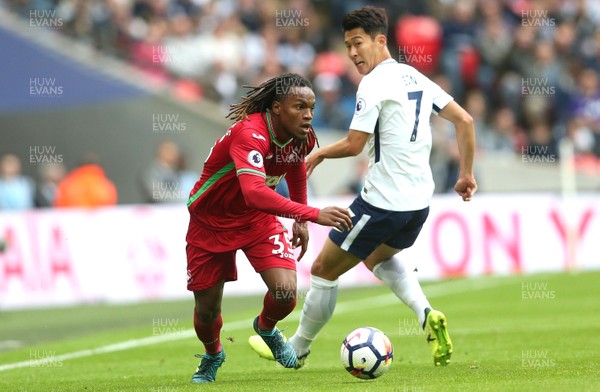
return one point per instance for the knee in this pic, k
(206, 314)
(372, 263)
(285, 292)
(318, 269)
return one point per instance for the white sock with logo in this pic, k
(401, 278)
(316, 312)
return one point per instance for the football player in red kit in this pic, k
(234, 207)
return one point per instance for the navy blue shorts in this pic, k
(375, 226)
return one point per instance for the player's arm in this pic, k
(350, 146)
(466, 186)
(363, 124)
(247, 153)
(259, 196)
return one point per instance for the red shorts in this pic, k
(267, 247)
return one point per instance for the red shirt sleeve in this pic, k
(261, 197)
(247, 150)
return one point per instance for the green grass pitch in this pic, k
(519, 333)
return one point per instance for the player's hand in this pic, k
(300, 237)
(312, 161)
(336, 217)
(466, 186)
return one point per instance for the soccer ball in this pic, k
(367, 353)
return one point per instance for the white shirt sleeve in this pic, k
(366, 111)
(440, 97)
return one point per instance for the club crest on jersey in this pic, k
(255, 158)
(360, 105)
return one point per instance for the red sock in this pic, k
(209, 334)
(273, 311)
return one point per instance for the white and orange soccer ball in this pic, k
(367, 353)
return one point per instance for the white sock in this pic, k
(401, 278)
(316, 312)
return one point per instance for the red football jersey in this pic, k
(236, 188)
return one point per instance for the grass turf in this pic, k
(522, 333)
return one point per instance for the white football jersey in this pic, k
(394, 103)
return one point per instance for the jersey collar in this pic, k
(272, 132)
(387, 61)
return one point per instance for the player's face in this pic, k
(364, 51)
(295, 113)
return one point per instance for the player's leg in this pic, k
(207, 324)
(272, 257)
(321, 298)
(207, 273)
(207, 317)
(342, 251)
(280, 299)
(320, 301)
(401, 277)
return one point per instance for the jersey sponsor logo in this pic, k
(360, 105)
(259, 137)
(272, 181)
(255, 158)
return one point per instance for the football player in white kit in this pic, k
(394, 103)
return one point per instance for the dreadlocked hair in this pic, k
(259, 99)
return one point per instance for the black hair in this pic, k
(260, 98)
(373, 20)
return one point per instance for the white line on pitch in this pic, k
(437, 290)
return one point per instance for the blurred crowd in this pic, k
(84, 186)
(526, 70)
(166, 179)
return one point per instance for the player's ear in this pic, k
(381, 39)
(276, 107)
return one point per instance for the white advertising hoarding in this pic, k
(135, 253)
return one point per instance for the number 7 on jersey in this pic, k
(415, 95)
